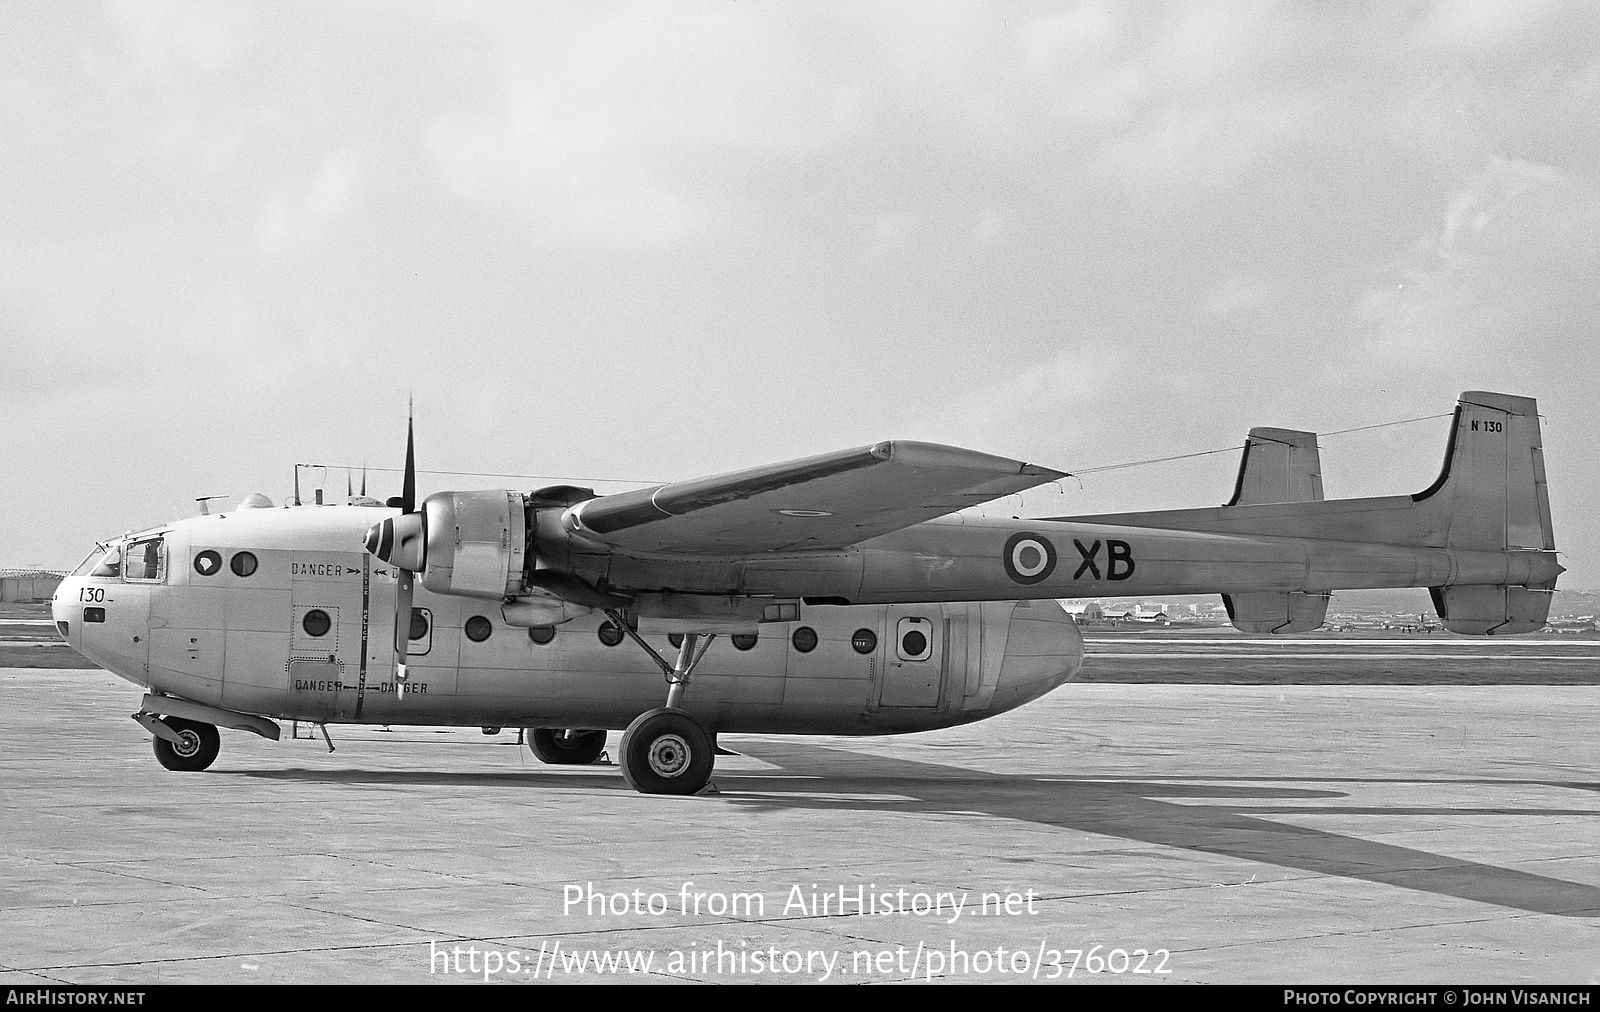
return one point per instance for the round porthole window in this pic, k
(316, 622)
(478, 628)
(208, 563)
(804, 639)
(745, 641)
(242, 563)
(419, 624)
(609, 634)
(864, 641)
(541, 634)
(915, 644)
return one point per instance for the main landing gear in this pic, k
(665, 750)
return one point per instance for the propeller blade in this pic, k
(402, 597)
(408, 492)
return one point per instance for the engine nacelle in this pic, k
(476, 543)
(467, 543)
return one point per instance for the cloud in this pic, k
(1476, 202)
(1073, 382)
(1233, 296)
(1494, 25)
(1465, 285)
(630, 130)
(332, 194)
(177, 36)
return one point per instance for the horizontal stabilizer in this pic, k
(1276, 613)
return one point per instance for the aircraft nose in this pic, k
(61, 610)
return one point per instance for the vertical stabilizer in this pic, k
(1278, 465)
(1491, 495)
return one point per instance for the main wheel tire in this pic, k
(195, 752)
(551, 745)
(666, 751)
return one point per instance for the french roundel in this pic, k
(1029, 558)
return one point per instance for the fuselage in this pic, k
(282, 613)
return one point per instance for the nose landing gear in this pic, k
(195, 749)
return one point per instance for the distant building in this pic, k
(28, 584)
(1084, 611)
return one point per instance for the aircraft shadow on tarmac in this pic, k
(1170, 813)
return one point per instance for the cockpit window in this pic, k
(144, 560)
(95, 555)
(109, 563)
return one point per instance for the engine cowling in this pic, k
(472, 544)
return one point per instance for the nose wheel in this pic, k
(666, 751)
(195, 749)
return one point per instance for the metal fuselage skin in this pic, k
(199, 631)
(961, 558)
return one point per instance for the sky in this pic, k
(615, 242)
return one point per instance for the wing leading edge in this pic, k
(828, 501)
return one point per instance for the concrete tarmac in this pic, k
(1193, 833)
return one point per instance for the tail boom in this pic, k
(1479, 537)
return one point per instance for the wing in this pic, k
(823, 502)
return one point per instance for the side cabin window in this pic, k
(144, 561)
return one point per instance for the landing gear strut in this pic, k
(666, 751)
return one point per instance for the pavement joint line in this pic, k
(116, 870)
(43, 977)
(235, 955)
(393, 866)
(1357, 933)
(350, 915)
